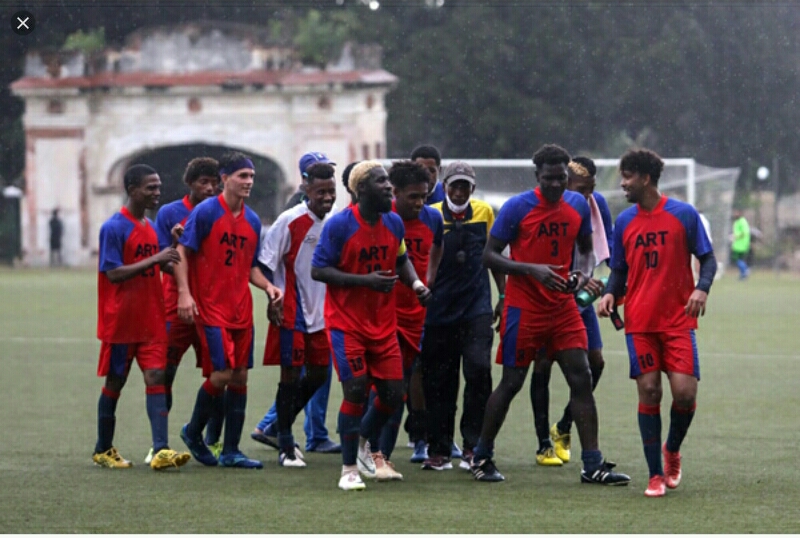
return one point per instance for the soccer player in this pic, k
(423, 240)
(430, 158)
(543, 227)
(653, 244)
(202, 178)
(360, 256)
(219, 250)
(300, 340)
(554, 443)
(266, 431)
(458, 323)
(129, 288)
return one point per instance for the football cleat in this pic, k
(383, 473)
(216, 448)
(166, 458)
(237, 459)
(437, 463)
(351, 481)
(288, 458)
(547, 457)
(149, 457)
(466, 460)
(672, 468)
(655, 488)
(485, 471)
(604, 476)
(111, 459)
(455, 452)
(420, 452)
(198, 448)
(365, 462)
(561, 443)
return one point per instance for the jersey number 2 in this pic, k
(229, 257)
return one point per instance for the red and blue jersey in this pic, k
(351, 245)
(420, 235)
(541, 232)
(436, 195)
(655, 248)
(131, 311)
(225, 249)
(287, 252)
(168, 216)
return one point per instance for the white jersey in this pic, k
(287, 250)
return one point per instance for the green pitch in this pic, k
(741, 471)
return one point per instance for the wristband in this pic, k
(416, 284)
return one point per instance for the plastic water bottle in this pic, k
(584, 298)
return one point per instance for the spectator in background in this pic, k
(56, 233)
(740, 243)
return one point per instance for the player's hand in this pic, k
(497, 315)
(275, 313)
(176, 232)
(547, 275)
(423, 293)
(605, 305)
(696, 306)
(275, 296)
(594, 286)
(167, 256)
(187, 308)
(581, 279)
(382, 281)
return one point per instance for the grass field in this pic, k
(741, 471)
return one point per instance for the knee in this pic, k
(355, 390)
(512, 384)
(596, 361)
(650, 393)
(155, 378)
(115, 383)
(239, 377)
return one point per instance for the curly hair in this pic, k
(550, 154)
(642, 161)
(427, 152)
(200, 166)
(405, 173)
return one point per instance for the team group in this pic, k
(331, 280)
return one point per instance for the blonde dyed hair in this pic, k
(578, 169)
(359, 173)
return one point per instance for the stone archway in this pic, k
(193, 85)
(269, 190)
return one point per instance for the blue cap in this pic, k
(313, 157)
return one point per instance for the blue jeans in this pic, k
(316, 409)
(744, 271)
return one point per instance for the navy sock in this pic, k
(285, 401)
(215, 420)
(540, 401)
(348, 425)
(106, 420)
(650, 429)
(389, 432)
(156, 400)
(235, 404)
(592, 459)
(679, 421)
(202, 409)
(374, 419)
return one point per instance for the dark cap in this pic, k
(313, 157)
(458, 170)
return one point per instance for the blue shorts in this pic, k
(589, 317)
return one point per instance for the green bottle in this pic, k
(584, 298)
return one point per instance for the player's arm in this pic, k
(615, 288)
(437, 251)
(584, 260)
(696, 305)
(274, 293)
(126, 272)
(494, 260)
(499, 282)
(187, 309)
(408, 276)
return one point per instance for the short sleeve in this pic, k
(112, 247)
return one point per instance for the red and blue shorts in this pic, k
(292, 348)
(670, 351)
(355, 355)
(222, 348)
(524, 332)
(180, 337)
(116, 359)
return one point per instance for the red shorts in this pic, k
(355, 355)
(410, 345)
(672, 351)
(524, 332)
(180, 337)
(222, 348)
(296, 348)
(116, 359)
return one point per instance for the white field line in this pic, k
(765, 356)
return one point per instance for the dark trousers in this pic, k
(443, 348)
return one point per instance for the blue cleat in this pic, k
(326, 447)
(198, 448)
(237, 459)
(420, 452)
(455, 452)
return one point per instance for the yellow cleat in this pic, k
(561, 443)
(548, 458)
(166, 458)
(111, 459)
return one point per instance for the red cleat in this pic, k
(672, 467)
(656, 487)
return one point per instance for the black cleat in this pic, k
(604, 476)
(485, 471)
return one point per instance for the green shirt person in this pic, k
(740, 243)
